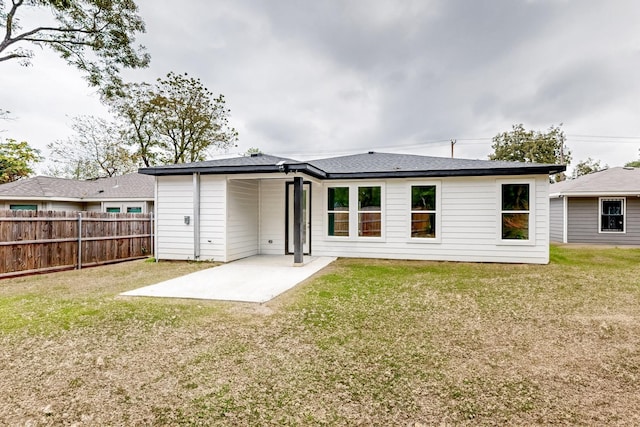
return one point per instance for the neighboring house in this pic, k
(133, 193)
(371, 205)
(602, 207)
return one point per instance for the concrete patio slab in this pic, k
(255, 279)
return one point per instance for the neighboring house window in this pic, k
(369, 212)
(134, 209)
(23, 207)
(338, 211)
(612, 215)
(515, 211)
(113, 210)
(423, 211)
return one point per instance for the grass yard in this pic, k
(365, 342)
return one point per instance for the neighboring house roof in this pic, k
(367, 165)
(613, 181)
(126, 187)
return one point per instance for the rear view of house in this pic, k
(602, 207)
(371, 205)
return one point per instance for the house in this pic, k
(371, 205)
(602, 207)
(133, 193)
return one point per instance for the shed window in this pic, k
(515, 211)
(113, 210)
(612, 215)
(338, 211)
(23, 207)
(134, 209)
(423, 211)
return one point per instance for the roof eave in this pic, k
(595, 194)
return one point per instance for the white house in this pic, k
(372, 205)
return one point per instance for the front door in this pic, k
(306, 219)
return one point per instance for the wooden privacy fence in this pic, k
(32, 242)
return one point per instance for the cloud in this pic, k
(332, 76)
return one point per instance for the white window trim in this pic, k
(531, 241)
(438, 212)
(354, 210)
(624, 214)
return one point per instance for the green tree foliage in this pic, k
(16, 160)
(96, 36)
(253, 150)
(530, 146)
(95, 150)
(585, 167)
(136, 113)
(523, 145)
(633, 164)
(177, 120)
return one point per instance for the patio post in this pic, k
(297, 221)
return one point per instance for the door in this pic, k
(306, 218)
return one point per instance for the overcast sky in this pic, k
(309, 79)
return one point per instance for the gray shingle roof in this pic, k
(359, 166)
(130, 186)
(388, 162)
(618, 180)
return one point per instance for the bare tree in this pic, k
(94, 151)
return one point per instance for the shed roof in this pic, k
(130, 186)
(613, 181)
(366, 165)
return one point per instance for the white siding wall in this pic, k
(242, 218)
(175, 201)
(272, 216)
(469, 218)
(213, 191)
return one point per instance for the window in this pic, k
(423, 211)
(515, 212)
(338, 211)
(369, 212)
(23, 207)
(113, 210)
(612, 215)
(134, 209)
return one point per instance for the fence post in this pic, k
(79, 240)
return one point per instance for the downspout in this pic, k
(155, 220)
(196, 215)
(259, 216)
(565, 219)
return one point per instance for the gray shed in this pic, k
(602, 207)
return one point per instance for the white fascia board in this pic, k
(596, 194)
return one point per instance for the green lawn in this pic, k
(365, 342)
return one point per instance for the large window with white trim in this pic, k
(355, 211)
(612, 215)
(423, 211)
(515, 211)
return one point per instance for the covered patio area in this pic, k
(257, 278)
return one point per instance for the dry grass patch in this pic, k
(368, 342)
